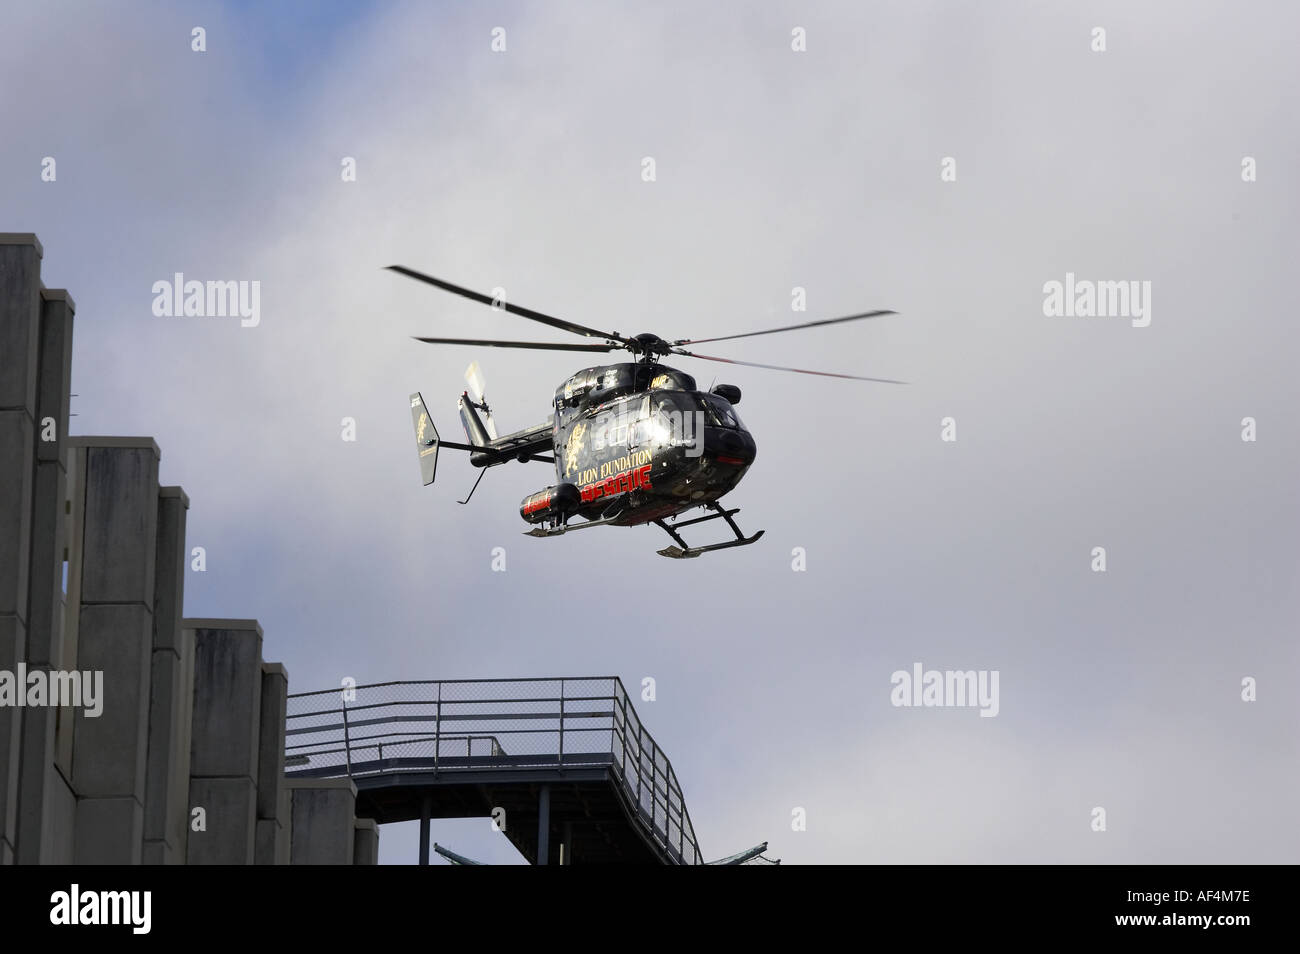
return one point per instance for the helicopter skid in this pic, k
(677, 553)
(567, 528)
(612, 513)
(683, 551)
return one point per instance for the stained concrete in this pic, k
(120, 536)
(323, 821)
(109, 751)
(227, 698)
(230, 806)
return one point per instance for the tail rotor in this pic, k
(474, 378)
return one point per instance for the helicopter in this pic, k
(633, 443)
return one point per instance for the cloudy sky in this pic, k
(775, 169)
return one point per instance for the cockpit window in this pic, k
(718, 412)
(713, 410)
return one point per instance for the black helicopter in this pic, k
(632, 443)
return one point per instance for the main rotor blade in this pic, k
(777, 367)
(533, 345)
(519, 310)
(772, 331)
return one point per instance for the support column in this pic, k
(167, 772)
(365, 849)
(38, 781)
(425, 808)
(20, 285)
(224, 730)
(272, 820)
(115, 639)
(544, 826)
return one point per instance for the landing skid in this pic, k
(567, 528)
(684, 552)
(612, 513)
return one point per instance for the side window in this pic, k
(600, 431)
(621, 419)
(643, 427)
(664, 421)
(609, 429)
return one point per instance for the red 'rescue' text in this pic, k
(637, 479)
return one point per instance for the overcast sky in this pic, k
(819, 169)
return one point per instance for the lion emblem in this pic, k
(573, 448)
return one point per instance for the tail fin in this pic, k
(475, 432)
(426, 438)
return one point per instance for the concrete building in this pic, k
(128, 733)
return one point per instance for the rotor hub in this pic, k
(650, 345)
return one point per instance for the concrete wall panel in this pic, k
(109, 751)
(20, 290)
(230, 805)
(227, 698)
(121, 522)
(108, 831)
(323, 821)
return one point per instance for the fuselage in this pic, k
(640, 442)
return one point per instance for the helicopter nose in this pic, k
(730, 447)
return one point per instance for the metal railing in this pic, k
(468, 725)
